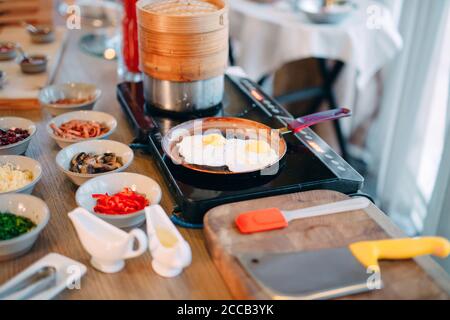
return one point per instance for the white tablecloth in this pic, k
(270, 35)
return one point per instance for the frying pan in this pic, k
(240, 128)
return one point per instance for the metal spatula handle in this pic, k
(329, 208)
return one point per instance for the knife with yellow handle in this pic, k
(336, 272)
(369, 252)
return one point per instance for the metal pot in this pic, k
(183, 96)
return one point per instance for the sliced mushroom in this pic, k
(95, 163)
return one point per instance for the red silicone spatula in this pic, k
(273, 218)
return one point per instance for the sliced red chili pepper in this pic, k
(124, 202)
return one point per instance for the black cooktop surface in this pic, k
(309, 162)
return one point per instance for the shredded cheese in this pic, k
(12, 178)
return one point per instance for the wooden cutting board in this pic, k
(421, 278)
(32, 11)
(21, 90)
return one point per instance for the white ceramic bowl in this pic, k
(11, 53)
(114, 183)
(50, 94)
(27, 206)
(3, 78)
(100, 117)
(317, 13)
(64, 157)
(23, 163)
(21, 146)
(42, 34)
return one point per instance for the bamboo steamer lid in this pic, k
(183, 18)
(183, 40)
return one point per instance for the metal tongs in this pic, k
(35, 283)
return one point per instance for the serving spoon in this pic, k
(22, 53)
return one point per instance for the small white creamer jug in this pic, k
(170, 252)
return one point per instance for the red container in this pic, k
(130, 36)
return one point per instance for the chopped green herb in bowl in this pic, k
(22, 219)
(12, 226)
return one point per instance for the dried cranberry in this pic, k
(13, 135)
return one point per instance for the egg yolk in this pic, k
(214, 139)
(257, 146)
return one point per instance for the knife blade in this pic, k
(332, 273)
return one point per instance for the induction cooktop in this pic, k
(309, 164)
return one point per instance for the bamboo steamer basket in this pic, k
(199, 44)
(183, 46)
(191, 70)
(175, 39)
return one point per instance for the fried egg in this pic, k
(206, 150)
(237, 154)
(249, 155)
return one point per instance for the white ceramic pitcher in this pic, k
(108, 246)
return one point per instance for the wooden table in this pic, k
(137, 281)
